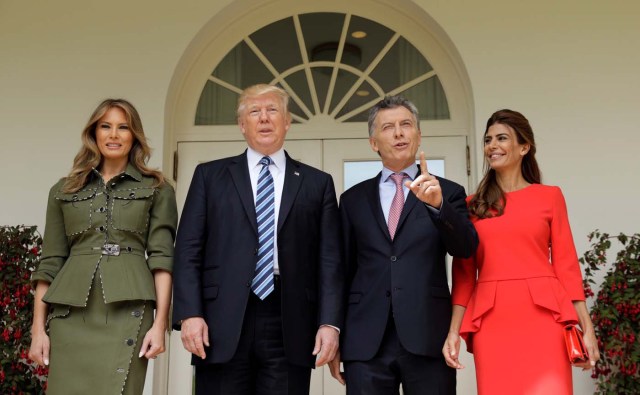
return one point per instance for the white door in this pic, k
(348, 161)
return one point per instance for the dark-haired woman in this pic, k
(513, 298)
(106, 262)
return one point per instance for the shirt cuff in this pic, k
(331, 326)
(433, 209)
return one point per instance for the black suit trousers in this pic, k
(393, 365)
(259, 365)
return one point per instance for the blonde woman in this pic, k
(106, 262)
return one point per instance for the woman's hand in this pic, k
(40, 346)
(589, 335)
(153, 343)
(591, 344)
(451, 350)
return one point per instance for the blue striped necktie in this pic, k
(262, 283)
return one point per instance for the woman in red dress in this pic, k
(513, 298)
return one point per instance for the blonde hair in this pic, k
(259, 90)
(89, 156)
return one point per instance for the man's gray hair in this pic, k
(392, 102)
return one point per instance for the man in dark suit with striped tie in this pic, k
(397, 229)
(258, 278)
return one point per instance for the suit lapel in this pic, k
(292, 181)
(373, 194)
(239, 170)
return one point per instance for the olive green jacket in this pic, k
(121, 231)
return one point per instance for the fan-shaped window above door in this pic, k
(333, 65)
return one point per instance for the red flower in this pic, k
(6, 335)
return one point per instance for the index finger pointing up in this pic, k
(423, 165)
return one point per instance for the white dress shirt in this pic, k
(387, 189)
(277, 169)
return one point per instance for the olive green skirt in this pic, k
(94, 349)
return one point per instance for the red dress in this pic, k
(527, 277)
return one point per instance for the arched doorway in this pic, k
(335, 60)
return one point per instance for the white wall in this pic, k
(58, 60)
(570, 66)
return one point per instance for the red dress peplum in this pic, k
(518, 291)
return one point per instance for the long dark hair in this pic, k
(489, 200)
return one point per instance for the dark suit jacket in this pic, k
(408, 273)
(216, 255)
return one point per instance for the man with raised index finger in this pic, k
(258, 278)
(397, 229)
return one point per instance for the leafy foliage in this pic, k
(616, 312)
(19, 255)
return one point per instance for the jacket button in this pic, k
(129, 342)
(393, 258)
(135, 313)
(255, 252)
(132, 195)
(120, 370)
(249, 283)
(113, 184)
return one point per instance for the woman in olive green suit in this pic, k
(106, 262)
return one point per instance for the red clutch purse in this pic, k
(575, 345)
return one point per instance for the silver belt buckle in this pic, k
(111, 249)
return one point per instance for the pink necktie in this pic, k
(396, 204)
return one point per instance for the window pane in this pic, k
(298, 82)
(363, 95)
(318, 30)
(242, 68)
(344, 81)
(370, 46)
(402, 64)
(321, 78)
(217, 106)
(429, 98)
(279, 43)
